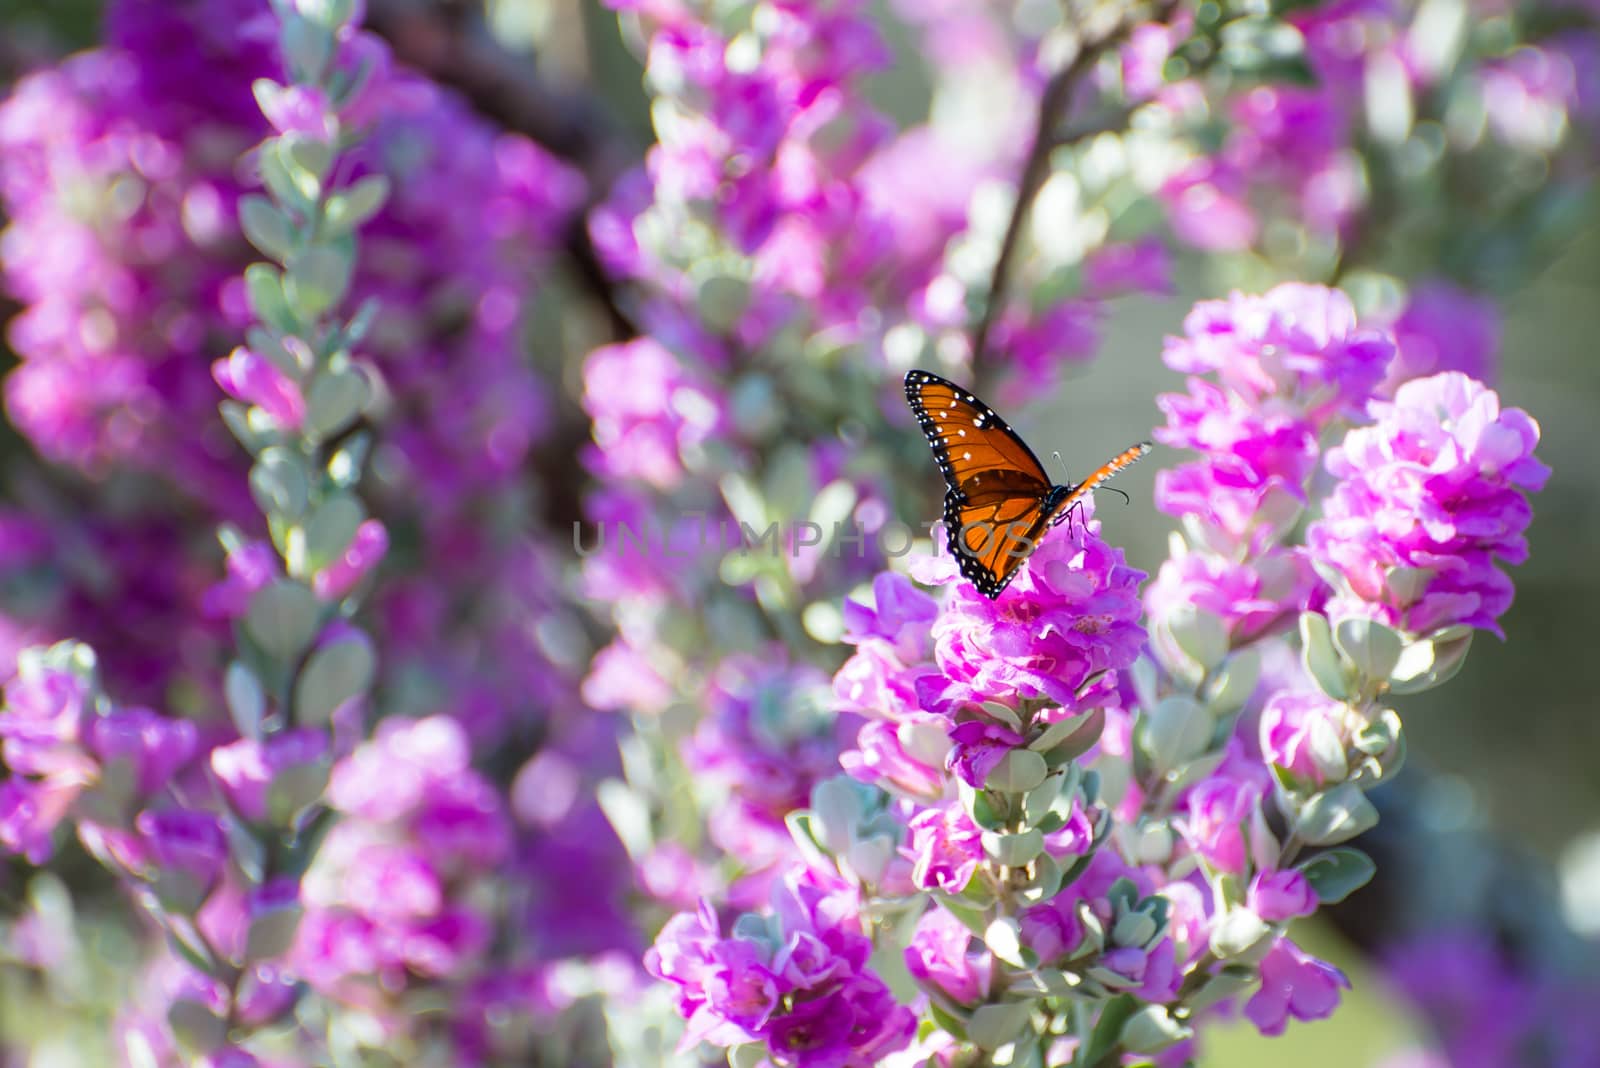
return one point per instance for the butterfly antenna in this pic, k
(1125, 498)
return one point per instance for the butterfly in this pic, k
(999, 501)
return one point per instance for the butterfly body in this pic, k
(998, 501)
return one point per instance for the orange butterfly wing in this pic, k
(995, 503)
(999, 501)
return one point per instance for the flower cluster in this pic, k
(1431, 497)
(386, 898)
(795, 980)
(1283, 367)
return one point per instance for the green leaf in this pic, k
(1429, 663)
(1176, 731)
(283, 618)
(721, 300)
(1039, 801)
(247, 704)
(1239, 933)
(308, 46)
(1068, 739)
(336, 399)
(1321, 658)
(271, 933)
(1373, 648)
(747, 1055)
(266, 227)
(992, 1026)
(1336, 815)
(1338, 873)
(1199, 634)
(1152, 1029)
(279, 483)
(1114, 1015)
(195, 1026)
(1134, 929)
(295, 789)
(289, 184)
(263, 284)
(1019, 771)
(334, 673)
(308, 159)
(1233, 684)
(348, 209)
(317, 279)
(330, 528)
(1013, 850)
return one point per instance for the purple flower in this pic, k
(1152, 970)
(1444, 328)
(1299, 342)
(302, 110)
(621, 678)
(977, 749)
(1296, 984)
(1302, 734)
(1035, 348)
(251, 565)
(899, 613)
(940, 955)
(31, 809)
(340, 576)
(1432, 496)
(388, 778)
(45, 712)
(1143, 266)
(246, 769)
(908, 755)
(1053, 929)
(154, 746)
(876, 684)
(1223, 822)
(462, 824)
(805, 991)
(768, 737)
(1250, 599)
(1276, 896)
(1207, 206)
(650, 413)
(1071, 614)
(946, 847)
(248, 377)
(185, 840)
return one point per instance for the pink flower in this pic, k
(941, 955)
(300, 109)
(1053, 930)
(246, 769)
(248, 377)
(1071, 614)
(154, 746)
(1220, 813)
(1276, 896)
(251, 565)
(946, 847)
(1432, 496)
(340, 576)
(1298, 728)
(1296, 984)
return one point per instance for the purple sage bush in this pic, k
(463, 605)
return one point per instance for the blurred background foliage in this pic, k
(1503, 771)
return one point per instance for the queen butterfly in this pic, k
(999, 499)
